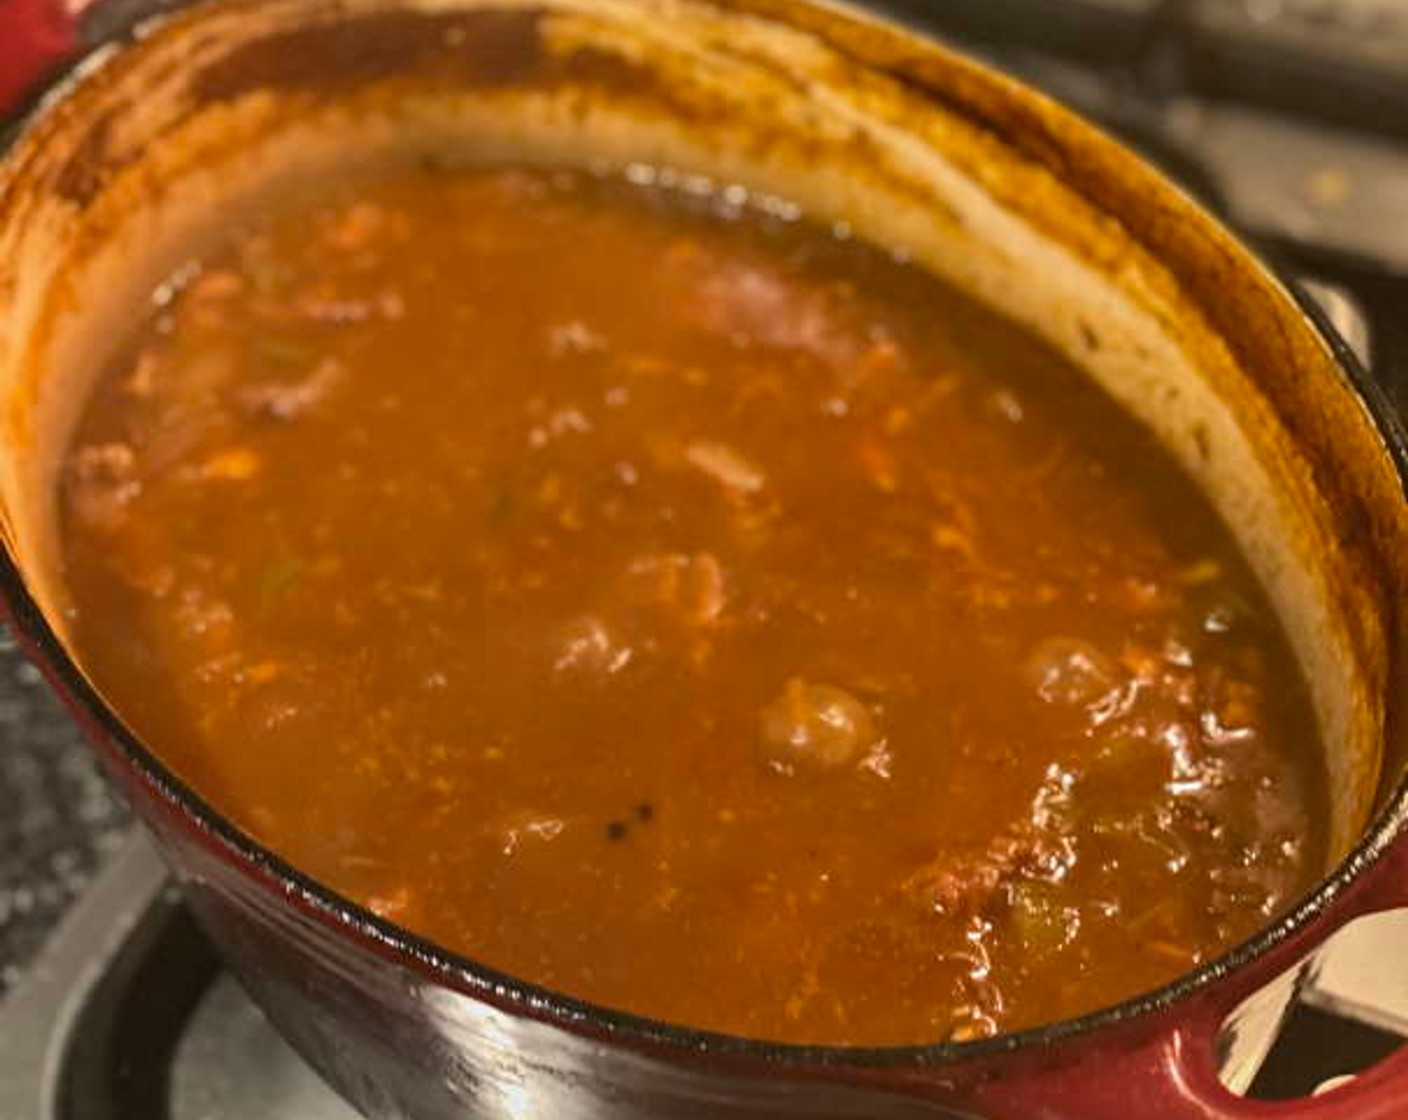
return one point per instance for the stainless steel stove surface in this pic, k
(127, 1016)
(1290, 117)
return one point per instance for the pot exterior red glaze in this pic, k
(36, 37)
(1173, 1071)
(404, 1029)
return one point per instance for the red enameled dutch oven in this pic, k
(174, 126)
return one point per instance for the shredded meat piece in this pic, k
(289, 400)
(726, 466)
(322, 308)
(524, 827)
(573, 337)
(103, 462)
(356, 227)
(101, 483)
(705, 599)
(588, 645)
(208, 302)
(141, 382)
(753, 303)
(691, 586)
(233, 464)
(394, 905)
(967, 885)
(877, 463)
(219, 284)
(816, 725)
(1070, 672)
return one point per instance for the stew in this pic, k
(633, 585)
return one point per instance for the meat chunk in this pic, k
(1071, 672)
(573, 337)
(965, 885)
(522, 827)
(398, 904)
(817, 726)
(291, 400)
(323, 306)
(738, 477)
(356, 227)
(691, 587)
(216, 284)
(1041, 918)
(232, 464)
(754, 303)
(588, 646)
(102, 482)
(207, 302)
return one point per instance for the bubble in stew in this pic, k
(681, 605)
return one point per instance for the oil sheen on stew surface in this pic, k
(653, 595)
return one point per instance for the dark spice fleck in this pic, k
(616, 830)
(501, 506)
(645, 811)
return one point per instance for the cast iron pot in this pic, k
(151, 143)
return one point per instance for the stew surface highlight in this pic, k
(635, 587)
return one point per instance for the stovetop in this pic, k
(1289, 117)
(126, 1015)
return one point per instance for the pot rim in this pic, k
(281, 880)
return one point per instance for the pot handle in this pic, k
(1173, 1073)
(35, 36)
